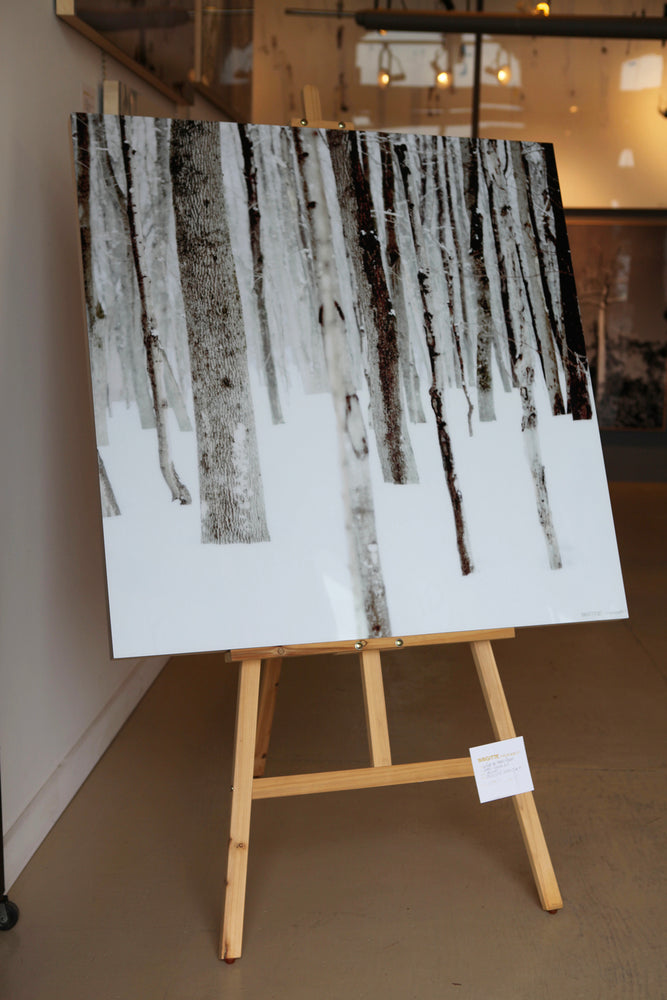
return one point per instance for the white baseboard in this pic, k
(29, 830)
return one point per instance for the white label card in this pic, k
(501, 769)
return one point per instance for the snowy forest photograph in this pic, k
(340, 386)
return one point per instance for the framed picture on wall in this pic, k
(620, 267)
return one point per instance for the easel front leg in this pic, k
(239, 834)
(524, 805)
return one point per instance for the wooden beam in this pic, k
(375, 708)
(524, 805)
(239, 833)
(361, 777)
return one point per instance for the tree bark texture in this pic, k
(154, 362)
(437, 387)
(94, 310)
(231, 491)
(255, 222)
(377, 311)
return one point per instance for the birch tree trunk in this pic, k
(408, 367)
(508, 234)
(485, 326)
(526, 378)
(437, 387)
(371, 598)
(110, 506)
(378, 317)
(452, 276)
(167, 308)
(530, 269)
(462, 259)
(154, 363)
(231, 491)
(254, 219)
(315, 374)
(94, 311)
(118, 245)
(579, 401)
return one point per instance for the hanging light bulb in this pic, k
(504, 74)
(389, 67)
(443, 78)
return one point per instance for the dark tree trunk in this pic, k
(579, 402)
(508, 232)
(232, 498)
(528, 256)
(151, 341)
(485, 329)
(408, 368)
(127, 327)
(94, 311)
(437, 388)
(254, 222)
(378, 317)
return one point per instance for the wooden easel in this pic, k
(254, 719)
(253, 730)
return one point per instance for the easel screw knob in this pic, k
(304, 121)
(360, 644)
(341, 124)
(398, 642)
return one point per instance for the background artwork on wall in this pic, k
(621, 272)
(340, 386)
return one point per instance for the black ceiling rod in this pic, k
(529, 25)
(477, 81)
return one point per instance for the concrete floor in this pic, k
(400, 893)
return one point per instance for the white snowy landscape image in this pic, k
(340, 386)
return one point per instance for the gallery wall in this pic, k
(62, 698)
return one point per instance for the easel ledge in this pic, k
(355, 646)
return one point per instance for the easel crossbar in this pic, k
(361, 777)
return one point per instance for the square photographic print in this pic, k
(340, 386)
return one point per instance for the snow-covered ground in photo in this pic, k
(168, 593)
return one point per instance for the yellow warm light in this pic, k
(443, 78)
(543, 8)
(384, 78)
(504, 74)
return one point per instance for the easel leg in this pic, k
(524, 805)
(376, 709)
(237, 862)
(267, 707)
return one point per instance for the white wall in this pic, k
(62, 698)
